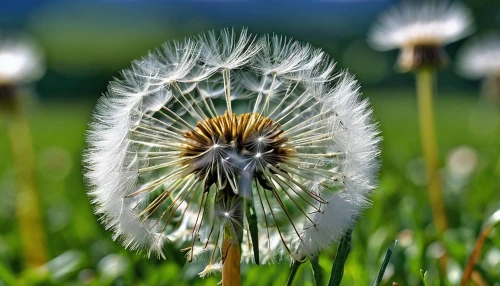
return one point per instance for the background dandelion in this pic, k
(21, 62)
(420, 31)
(479, 59)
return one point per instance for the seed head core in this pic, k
(236, 143)
(417, 56)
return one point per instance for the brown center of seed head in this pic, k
(422, 55)
(7, 97)
(239, 142)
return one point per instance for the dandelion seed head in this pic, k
(480, 57)
(420, 31)
(201, 135)
(21, 60)
(428, 23)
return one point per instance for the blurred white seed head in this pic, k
(421, 29)
(462, 161)
(479, 58)
(21, 60)
(230, 133)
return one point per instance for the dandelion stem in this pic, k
(425, 87)
(233, 236)
(230, 262)
(27, 203)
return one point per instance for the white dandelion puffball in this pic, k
(232, 135)
(420, 30)
(21, 60)
(421, 23)
(480, 57)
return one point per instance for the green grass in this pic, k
(78, 244)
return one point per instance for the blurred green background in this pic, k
(86, 45)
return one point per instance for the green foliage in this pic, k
(400, 207)
(423, 275)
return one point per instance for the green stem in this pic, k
(425, 88)
(293, 272)
(318, 275)
(28, 212)
(233, 235)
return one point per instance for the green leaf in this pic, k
(254, 233)
(245, 191)
(423, 275)
(340, 259)
(318, 275)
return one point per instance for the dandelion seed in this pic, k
(421, 30)
(261, 170)
(211, 269)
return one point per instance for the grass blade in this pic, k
(384, 264)
(340, 259)
(318, 275)
(293, 271)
